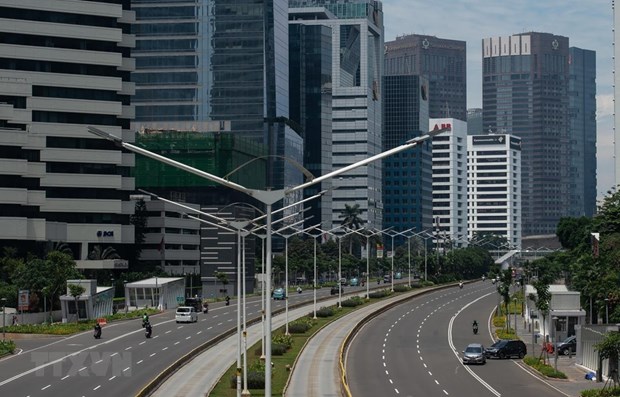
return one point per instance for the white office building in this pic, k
(357, 67)
(64, 66)
(450, 181)
(494, 186)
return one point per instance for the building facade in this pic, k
(66, 71)
(582, 119)
(494, 187)
(474, 121)
(442, 62)
(357, 67)
(310, 93)
(450, 181)
(407, 178)
(525, 94)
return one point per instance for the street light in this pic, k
(393, 251)
(555, 342)
(339, 237)
(268, 198)
(606, 310)
(3, 318)
(369, 233)
(286, 236)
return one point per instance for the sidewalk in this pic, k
(576, 382)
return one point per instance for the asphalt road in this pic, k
(415, 349)
(123, 361)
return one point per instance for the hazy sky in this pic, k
(587, 24)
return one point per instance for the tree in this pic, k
(503, 288)
(98, 254)
(76, 290)
(542, 300)
(610, 348)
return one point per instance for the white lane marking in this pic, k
(451, 343)
(436, 382)
(126, 369)
(152, 354)
(112, 377)
(46, 387)
(167, 332)
(97, 362)
(141, 343)
(165, 348)
(113, 354)
(220, 323)
(430, 373)
(445, 392)
(199, 332)
(156, 336)
(128, 348)
(396, 390)
(140, 362)
(64, 377)
(96, 387)
(82, 369)
(189, 337)
(176, 343)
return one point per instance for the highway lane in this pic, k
(415, 350)
(123, 361)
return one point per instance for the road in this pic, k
(415, 349)
(123, 361)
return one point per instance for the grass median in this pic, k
(286, 349)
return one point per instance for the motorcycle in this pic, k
(483, 278)
(228, 301)
(97, 333)
(475, 330)
(461, 285)
(148, 330)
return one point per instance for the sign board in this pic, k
(180, 300)
(24, 299)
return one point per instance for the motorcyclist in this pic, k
(299, 290)
(227, 300)
(475, 326)
(460, 284)
(148, 329)
(97, 330)
(483, 278)
(145, 319)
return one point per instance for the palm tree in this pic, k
(108, 253)
(350, 216)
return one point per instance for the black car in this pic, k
(195, 303)
(568, 346)
(504, 348)
(334, 290)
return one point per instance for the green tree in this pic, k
(351, 218)
(76, 290)
(574, 233)
(98, 254)
(609, 348)
(542, 300)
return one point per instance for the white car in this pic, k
(186, 314)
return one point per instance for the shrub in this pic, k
(6, 346)
(281, 339)
(499, 321)
(300, 326)
(353, 301)
(278, 349)
(379, 294)
(325, 312)
(543, 368)
(401, 288)
(611, 392)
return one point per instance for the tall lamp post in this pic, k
(339, 237)
(368, 234)
(392, 234)
(555, 342)
(3, 318)
(268, 198)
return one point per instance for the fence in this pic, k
(30, 318)
(587, 355)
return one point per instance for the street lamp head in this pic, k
(106, 135)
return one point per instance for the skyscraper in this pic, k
(357, 39)
(65, 66)
(216, 60)
(442, 62)
(525, 93)
(582, 119)
(310, 80)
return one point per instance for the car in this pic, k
(568, 346)
(387, 278)
(194, 302)
(354, 282)
(343, 281)
(186, 314)
(398, 276)
(278, 294)
(474, 354)
(506, 348)
(334, 290)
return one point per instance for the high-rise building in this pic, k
(310, 94)
(582, 119)
(407, 176)
(442, 61)
(474, 122)
(65, 66)
(200, 61)
(357, 42)
(450, 181)
(494, 187)
(525, 94)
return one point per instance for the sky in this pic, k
(587, 24)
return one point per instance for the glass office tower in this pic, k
(525, 93)
(582, 118)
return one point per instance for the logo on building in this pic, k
(425, 44)
(442, 126)
(105, 233)
(555, 44)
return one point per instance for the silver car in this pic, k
(474, 354)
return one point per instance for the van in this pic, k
(186, 314)
(196, 303)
